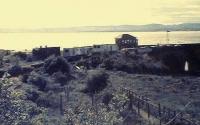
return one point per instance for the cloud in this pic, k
(180, 12)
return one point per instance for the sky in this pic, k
(73, 13)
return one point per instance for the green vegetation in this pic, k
(58, 93)
(55, 64)
(97, 81)
(14, 110)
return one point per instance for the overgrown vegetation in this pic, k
(15, 70)
(97, 81)
(57, 92)
(56, 64)
(38, 81)
(14, 110)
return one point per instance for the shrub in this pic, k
(60, 78)
(108, 63)
(29, 58)
(24, 78)
(39, 81)
(97, 81)
(2, 73)
(21, 55)
(125, 67)
(84, 63)
(14, 110)
(107, 98)
(27, 69)
(15, 70)
(55, 64)
(49, 100)
(54, 87)
(32, 95)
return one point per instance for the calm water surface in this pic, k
(22, 41)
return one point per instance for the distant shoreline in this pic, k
(114, 28)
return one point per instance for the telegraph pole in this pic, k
(167, 37)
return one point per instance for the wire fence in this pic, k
(162, 114)
(165, 115)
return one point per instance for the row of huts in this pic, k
(87, 50)
(121, 42)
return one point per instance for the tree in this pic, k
(56, 64)
(97, 81)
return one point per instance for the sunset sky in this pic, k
(70, 13)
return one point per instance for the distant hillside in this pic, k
(120, 28)
(134, 28)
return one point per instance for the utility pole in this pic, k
(167, 37)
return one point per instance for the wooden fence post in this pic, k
(44, 117)
(61, 105)
(138, 105)
(148, 110)
(181, 115)
(130, 102)
(164, 112)
(159, 112)
(169, 111)
(66, 89)
(174, 113)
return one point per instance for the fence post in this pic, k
(164, 113)
(142, 98)
(174, 113)
(148, 110)
(44, 117)
(138, 105)
(130, 102)
(169, 111)
(61, 105)
(159, 112)
(181, 115)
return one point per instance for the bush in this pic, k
(39, 81)
(14, 110)
(29, 58)
(49, 100)
(125, 67)
(97, 81)
(21, 55)
(60, 78)
(107, 98)
(2, 73)
(108, 63)
(15, 70)
(54, 87)
(27, 69)
(56, 64)
(32, 95)
(24, 78)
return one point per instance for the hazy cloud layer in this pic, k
(67, 13)
(180, 12)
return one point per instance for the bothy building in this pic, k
(126, 41)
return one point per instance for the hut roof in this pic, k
(126, 36)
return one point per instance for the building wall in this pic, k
(42, 53)
(127, 43)
(105, 48)
(67, 52)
